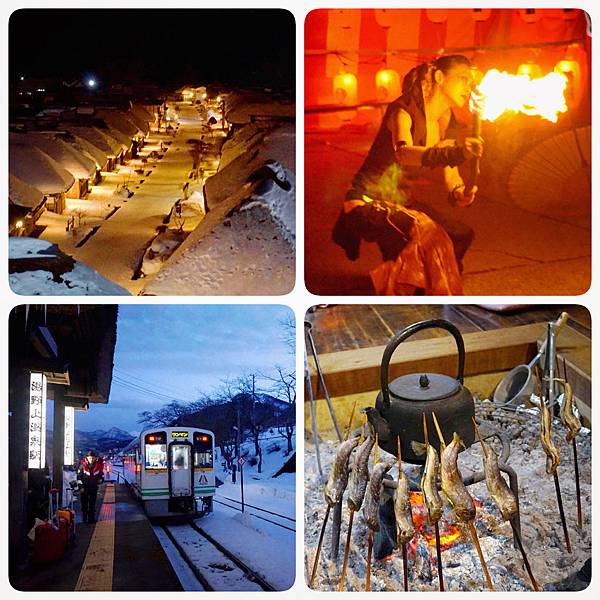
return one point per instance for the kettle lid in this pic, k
(420, 387)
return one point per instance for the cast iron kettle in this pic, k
(402, 402)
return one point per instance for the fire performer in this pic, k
(421, 248)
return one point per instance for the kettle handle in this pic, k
(406, 333)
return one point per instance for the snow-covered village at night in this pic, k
(152, 448)
(151, 152)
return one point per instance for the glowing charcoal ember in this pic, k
(504, 92)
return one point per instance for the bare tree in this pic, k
(283, 386)
(164, 416)
(254, 418)
(288, 335)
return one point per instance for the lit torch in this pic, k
(476, 102)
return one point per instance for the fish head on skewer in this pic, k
(338, 477)
(359, 477)
(373, 494)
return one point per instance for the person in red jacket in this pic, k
(90, 475)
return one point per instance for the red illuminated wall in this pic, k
(362, 41)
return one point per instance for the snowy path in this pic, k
(117, 247)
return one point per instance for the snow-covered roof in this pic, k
(79, 165)
(23, 194)
(120, 120)
(142, 116)
(100, 139)
(38, 268)
(87, 148)
(243, 140)
(245, 246)
(37, 169)
(243, 106)
(277, 144)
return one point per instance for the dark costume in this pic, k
(90, 475)
(419, 245)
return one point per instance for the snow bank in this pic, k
(246, 242)
(52, 278)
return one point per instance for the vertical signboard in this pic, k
(37, 421)
(69, 436)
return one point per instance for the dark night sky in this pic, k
(170, 46)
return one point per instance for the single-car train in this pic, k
(171, 470)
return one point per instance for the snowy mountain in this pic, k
(101, 440)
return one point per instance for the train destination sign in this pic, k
(179, 434)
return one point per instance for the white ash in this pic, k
(541, 528)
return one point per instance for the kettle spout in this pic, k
(379, 424)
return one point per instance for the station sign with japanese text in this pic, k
(36, 451)
(69, 454)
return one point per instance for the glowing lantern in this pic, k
(531, 69)
(344, 88)
(571, 70)
(387, 82)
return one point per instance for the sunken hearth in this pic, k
(554, 568)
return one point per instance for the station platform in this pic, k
(119, 553)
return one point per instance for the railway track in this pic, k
(289, 523)
(213, 565)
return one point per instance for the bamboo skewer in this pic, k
(351, 517)
(575, 461)
(371, 532)
(405, 565)
(473, 531)
(470, 524)
(561, 511)
(559, 501)
(369, 553)
(319, 546)
(349, 428)
(326, 518)
(346, 552)
(404, 553)
(438, 549)
(516, 534)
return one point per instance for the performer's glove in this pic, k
(443, 156)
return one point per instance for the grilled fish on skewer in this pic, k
(432, 498)
(359, 478)
(503, 497)
(371, 503)
(338, 478)
(452, 482)
(567, 415)
(402, 509)
(552, 452)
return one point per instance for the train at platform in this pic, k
(171, 470)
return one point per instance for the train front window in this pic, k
(203, 451)
(156, 456)
(180, 457)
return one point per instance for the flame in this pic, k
(501, 92)
(449, 533)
